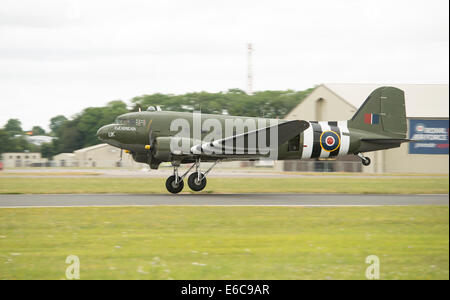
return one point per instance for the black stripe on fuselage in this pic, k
(334, 127)
(317, 129)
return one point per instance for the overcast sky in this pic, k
(60, 56)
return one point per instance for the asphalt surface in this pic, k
(76, 200)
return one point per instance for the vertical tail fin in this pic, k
(382, 113)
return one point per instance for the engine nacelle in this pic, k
(161, 151)
(163, 147)
(147, 158)
(142, 157)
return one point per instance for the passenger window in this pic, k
(294, 144)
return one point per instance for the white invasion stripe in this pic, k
(345, 139)
(206, 148)
(308, 139)
(196, 149)
(325, 127)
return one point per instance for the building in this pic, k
(103, 156)
(106, 156)
(23, 159)
(98, 156)
(65, 160)
(38, 140)
(427, 111)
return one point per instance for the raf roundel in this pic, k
(330, 141)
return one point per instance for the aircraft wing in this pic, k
(239, 144)
(388, 141)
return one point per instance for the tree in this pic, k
(92, 118)
(11, 143)
(20, 144)
(269, 104)
(48, 150)
(4, 141)
(70, 138)
(56, 123)
(37, 130)
(13, 126)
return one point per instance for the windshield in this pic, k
(122, 121)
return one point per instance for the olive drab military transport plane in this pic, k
(156, 136)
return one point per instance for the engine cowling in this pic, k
(147, 158)
(161, 151)
(163, 147)
(142, 157)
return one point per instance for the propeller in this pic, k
(151, 136)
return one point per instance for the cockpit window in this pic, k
(122, 121)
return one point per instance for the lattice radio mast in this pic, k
(249, 70)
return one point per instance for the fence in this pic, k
(323, 166)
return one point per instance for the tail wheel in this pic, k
(173, 187)
(366, 161)
(195, 184)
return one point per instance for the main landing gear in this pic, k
(196, 181)
(364, 159)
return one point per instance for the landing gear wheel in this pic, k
(366, 161)
(172, 187)
(194, 184)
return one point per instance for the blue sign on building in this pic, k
(432, 136)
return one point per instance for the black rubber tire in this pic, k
(366, 161)
(194, 184)
(170, 185)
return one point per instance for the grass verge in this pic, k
(364, 185)
(225, 242)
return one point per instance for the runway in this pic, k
(110, 200)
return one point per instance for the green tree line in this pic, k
(12, 138)
(267, 104)
(80, 130)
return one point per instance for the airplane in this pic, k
(155, 136)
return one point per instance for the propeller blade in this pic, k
(151, 138)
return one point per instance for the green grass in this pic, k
(225, 242)
(228, 185)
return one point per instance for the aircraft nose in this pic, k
(102, 133)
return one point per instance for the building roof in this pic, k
(422, 100)
(27, 153)
(91, 148)
(66, 154)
